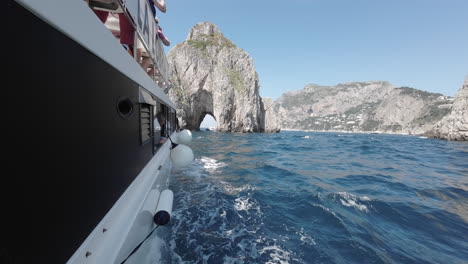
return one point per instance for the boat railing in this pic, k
(139, 13)
(162, 64)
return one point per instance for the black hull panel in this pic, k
(69, 152)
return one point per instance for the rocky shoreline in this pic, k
(356, 132)
(210, 75)
(454, 126)
(373, 107)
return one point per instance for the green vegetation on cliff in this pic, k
(405, 90)
(236, 80)
(217, 39)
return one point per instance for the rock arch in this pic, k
(210, 75)
(201, 106)
(204, 115)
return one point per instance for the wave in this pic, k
(261, 198)
(350, 200)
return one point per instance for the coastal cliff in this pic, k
(211, 75)
(374, 106)
(272, 122)
(455, 125)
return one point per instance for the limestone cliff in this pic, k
(210, 75)
(272, 122)
(455, 125)
(375, 106)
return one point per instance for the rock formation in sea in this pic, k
(211, 75)
(374, 106)
(454, 126)
(272, 122)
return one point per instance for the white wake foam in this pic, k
(276, 253)
(351, 200)
(306, 238)
(246, 204)
(232, 190)
(210, 164)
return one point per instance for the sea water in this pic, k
(304, 197)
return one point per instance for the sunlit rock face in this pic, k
(272, 122)
(211, 75)
(373, 106)
(455, 125)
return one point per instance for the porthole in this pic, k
(124, 107)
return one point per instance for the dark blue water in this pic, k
(300, 197)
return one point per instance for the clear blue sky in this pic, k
(417, 43)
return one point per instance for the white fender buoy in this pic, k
(184, 137)
(181, 156)
(164, 209)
